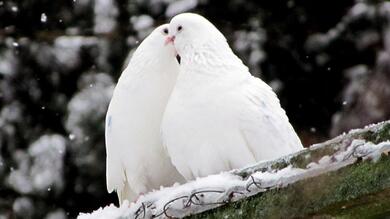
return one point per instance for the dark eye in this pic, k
(165, 30)
(179, 28)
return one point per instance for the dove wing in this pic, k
(264, 124)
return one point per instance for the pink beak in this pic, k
(169, 39)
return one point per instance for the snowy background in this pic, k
(329, 62)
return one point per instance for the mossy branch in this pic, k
(360, 189)
(348, 177)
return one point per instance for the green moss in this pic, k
(375, 205)
(382, 134)
(279, 165)
(314, 155)
(315, 196)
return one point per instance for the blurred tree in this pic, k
(328, 62)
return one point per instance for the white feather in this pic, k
(136, 159)
(219, 117)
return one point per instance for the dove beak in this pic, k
(169, 39)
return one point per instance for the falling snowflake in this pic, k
(43, 18)
(14, 8)
(72, 136)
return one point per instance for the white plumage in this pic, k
(219, 117)
(136, 159)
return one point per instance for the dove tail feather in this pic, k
(126, 194)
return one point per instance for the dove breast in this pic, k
(137, 162)
(219, 117)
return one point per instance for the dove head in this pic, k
(156, 43)
(190, 32)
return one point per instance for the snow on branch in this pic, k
(368, 144)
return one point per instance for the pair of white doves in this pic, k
(169, 122)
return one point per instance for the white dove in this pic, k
(219, 117)
(136, 159)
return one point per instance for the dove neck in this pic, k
(214, 58)
(144, 66)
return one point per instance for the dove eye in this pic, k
(179, 28)
(165, 30)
